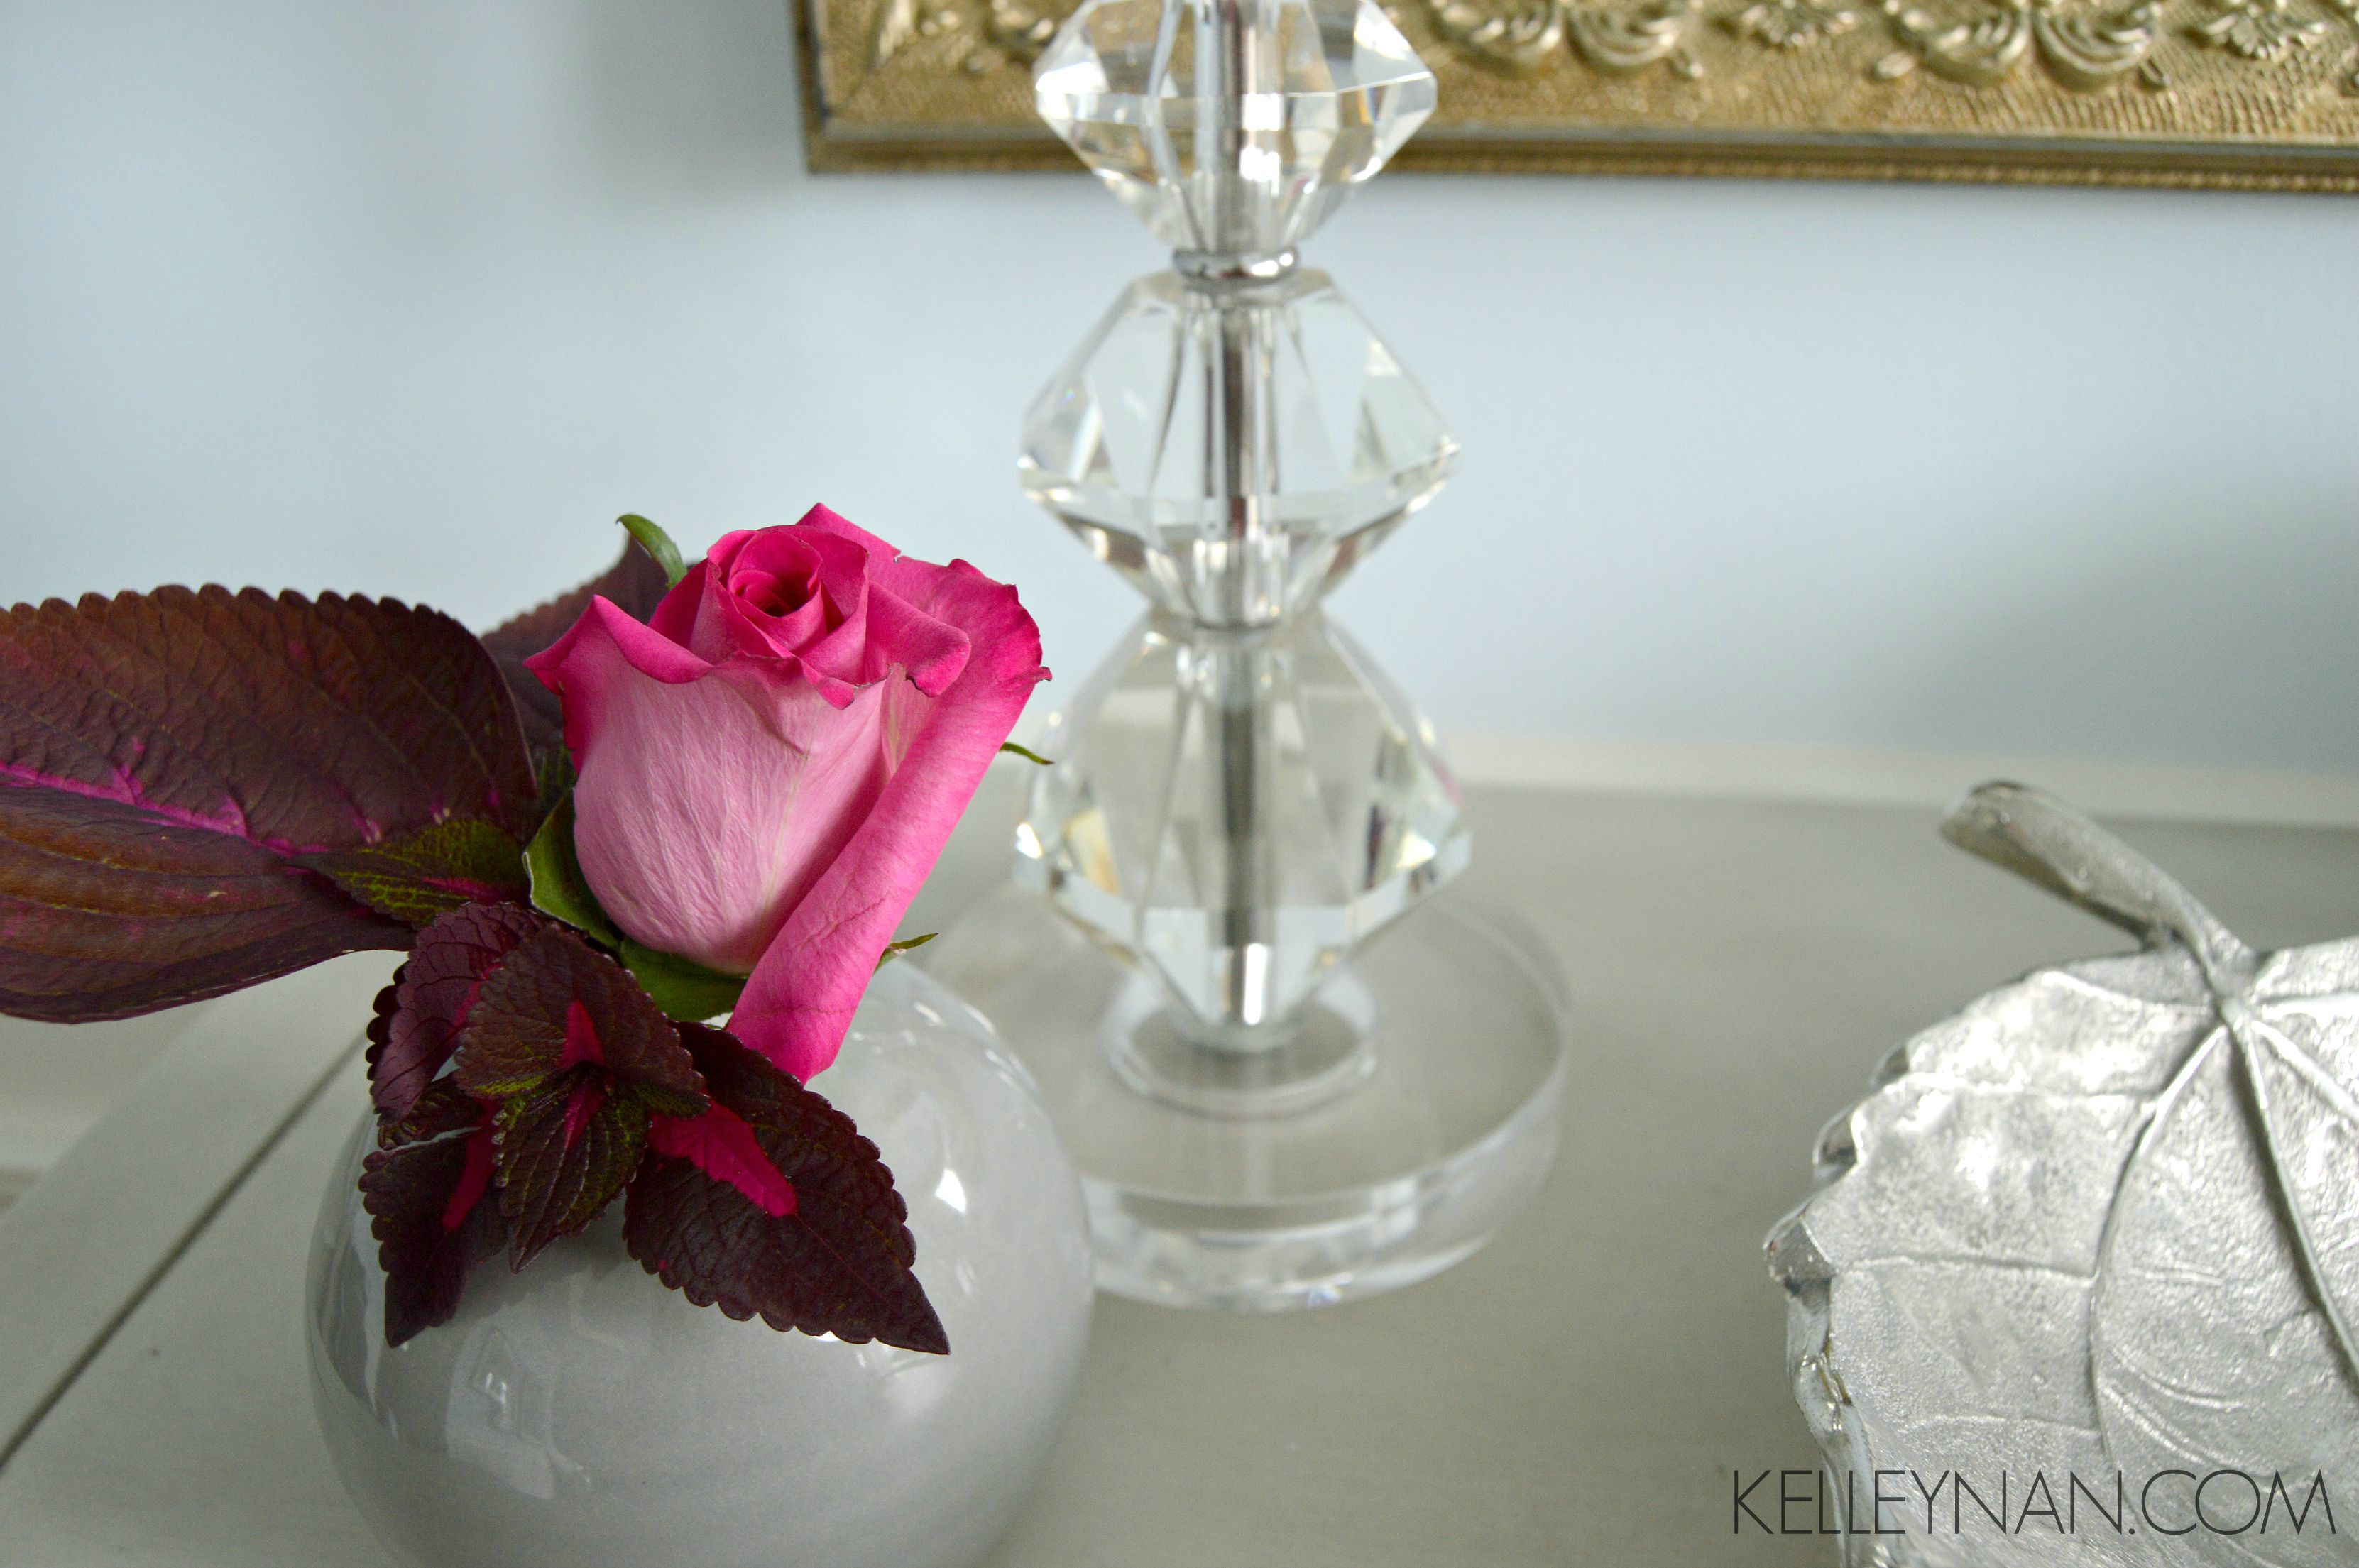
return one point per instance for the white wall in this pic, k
(414, 298)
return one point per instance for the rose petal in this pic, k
(777, 593)
(675, 613)
(827, 521)
(578, 669)
(802, 994)
(763, 597)
(842, 651)
(706, 809)
(933, 651)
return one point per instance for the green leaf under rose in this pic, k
(558, 887)
(686, 991)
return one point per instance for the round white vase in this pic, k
(581, 1414)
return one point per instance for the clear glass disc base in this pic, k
(1416, 1110)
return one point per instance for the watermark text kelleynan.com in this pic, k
(1953, 1502)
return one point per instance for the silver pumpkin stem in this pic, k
(2044, 840)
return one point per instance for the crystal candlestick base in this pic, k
(1278, 1094)
(1286, 1075)
(1413, 1112)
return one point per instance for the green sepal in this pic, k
(413, 878)
(893, 950)
(688, 993)
(655, 543)
(1026, 752)
(559, 887)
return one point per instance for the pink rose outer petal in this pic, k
(707, 804)
(805, 989)
(720, 1143)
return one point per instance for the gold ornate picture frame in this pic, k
(2257, 94)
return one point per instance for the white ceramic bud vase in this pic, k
(581, 1414)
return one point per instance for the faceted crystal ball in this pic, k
(1135, 447)
(1129, 834)
(1328, 90)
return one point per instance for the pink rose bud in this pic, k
(770, 767)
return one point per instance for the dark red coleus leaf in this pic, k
(442, 1110)
(426, 1192)
(556, 1003)
(169, 762)
(838, 1262)
(418, 876)
(721, 1144)
(636, 582)
(420, 1013)
(105, 912)
(564, 1153)
(579, 1057)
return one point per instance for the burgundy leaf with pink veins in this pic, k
(578, 1057)
(425, 1189)
(837, 1259)
(170, 761)
(420, 1013)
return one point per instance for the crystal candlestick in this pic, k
(1268, 1109)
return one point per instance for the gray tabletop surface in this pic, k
(1582, 1391)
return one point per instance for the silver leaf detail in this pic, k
(2105, 1221)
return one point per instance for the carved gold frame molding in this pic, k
(2241, 94)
